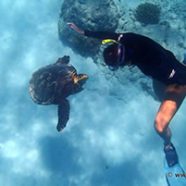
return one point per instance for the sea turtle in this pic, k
(52, 84)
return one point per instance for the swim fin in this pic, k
(171, 154)
(175, 175)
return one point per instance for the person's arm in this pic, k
(101, 35)
(98, 34)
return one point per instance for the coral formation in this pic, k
(92, 15)
(148, 13)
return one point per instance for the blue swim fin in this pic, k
(175, 175)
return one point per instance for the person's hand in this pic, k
(76, 28)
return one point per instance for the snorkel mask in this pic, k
(120, 53)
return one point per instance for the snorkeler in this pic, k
(154, 61)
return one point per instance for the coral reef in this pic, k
(92, 15)
(148, 13)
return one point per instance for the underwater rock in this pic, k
(148, 13)
(87, 14)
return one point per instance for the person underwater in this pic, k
(154, 61)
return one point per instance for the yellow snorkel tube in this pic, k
(108, 41)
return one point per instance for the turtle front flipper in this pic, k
(63, 114)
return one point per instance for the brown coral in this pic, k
(148, 13)
(92, 15)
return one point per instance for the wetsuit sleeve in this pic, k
(63, 114)
(101, 35)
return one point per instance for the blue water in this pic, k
(109, 139)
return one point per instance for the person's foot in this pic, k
(171, 154)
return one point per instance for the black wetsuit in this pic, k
(149, 56)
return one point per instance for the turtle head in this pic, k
(63, 60)
(80, 79)
(74, 84)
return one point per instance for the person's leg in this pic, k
(174, 96)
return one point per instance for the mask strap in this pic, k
(120, 37)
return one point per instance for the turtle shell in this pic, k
(47, 84)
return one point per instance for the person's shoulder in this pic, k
(136, 36)
(133, 34)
